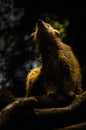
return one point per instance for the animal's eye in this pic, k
(57, 33)
(48, 25)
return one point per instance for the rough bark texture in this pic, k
(26, 113)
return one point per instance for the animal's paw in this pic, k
(52, 94)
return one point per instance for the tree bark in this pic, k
(76, 102)
(27, 110)
(80, 126)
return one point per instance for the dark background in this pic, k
(17, 21)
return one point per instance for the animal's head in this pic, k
(45, 31)
(45, 36)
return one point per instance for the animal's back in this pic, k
(71, 71)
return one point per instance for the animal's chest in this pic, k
(52, 71)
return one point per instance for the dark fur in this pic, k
(60, 70)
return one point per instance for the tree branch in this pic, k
(26, 108)
(80, 126)
(77, 101)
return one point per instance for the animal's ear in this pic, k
(57, 33)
